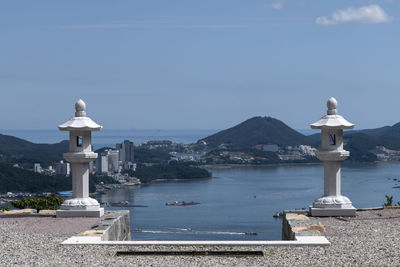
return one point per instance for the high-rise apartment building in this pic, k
(126, 154)
(63, 168)
(113, 160)
(37, 168)
(108, 162)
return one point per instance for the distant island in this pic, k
(258, 140)
(266, 140)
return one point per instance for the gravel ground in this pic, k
(371, 238)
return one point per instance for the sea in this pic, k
(237, 203)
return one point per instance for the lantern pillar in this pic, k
(332, 203)
(80, 154)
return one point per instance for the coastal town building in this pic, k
(63, 168)
(49, 171)
(37, 168)
(126, 154)
(113, 161)
(102, 163)
(108, 162)
(270, 148)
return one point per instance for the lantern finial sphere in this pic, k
(332, 105)
(80, 108)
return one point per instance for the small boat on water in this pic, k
(126, 204)
(181, 203)
(278, 215)
(250, 233)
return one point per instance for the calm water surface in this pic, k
(243, 199)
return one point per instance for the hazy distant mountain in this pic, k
(257, 130)
(16, 150)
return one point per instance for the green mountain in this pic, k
(143, 155)
(16, 150)
(19, 180)
(360, 146)
(257, 130)
(388, 136)
(267, 130)
(393, 130)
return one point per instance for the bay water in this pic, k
(240, 200)
(237, 200)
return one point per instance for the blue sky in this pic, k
(198, 64)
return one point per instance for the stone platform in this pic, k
(371, 238)
(114, 225)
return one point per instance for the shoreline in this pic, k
(119, 186)
(176, 180)
(216, 166)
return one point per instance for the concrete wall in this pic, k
(114, 227)
(297, 223)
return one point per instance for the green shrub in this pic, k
(389, 201)
(38, 203)
(5, 208)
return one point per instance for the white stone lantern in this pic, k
(80, 154)
(332, 203)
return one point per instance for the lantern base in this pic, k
(332, 206)
(332, 212)
(80, 213)
(80, 207)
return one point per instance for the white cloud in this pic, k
(275, 5)
(366, 14)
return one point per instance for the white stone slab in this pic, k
(313, 240)
(80, 213)
(82, 240)
(301, 241)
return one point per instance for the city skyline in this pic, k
(198, 65)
